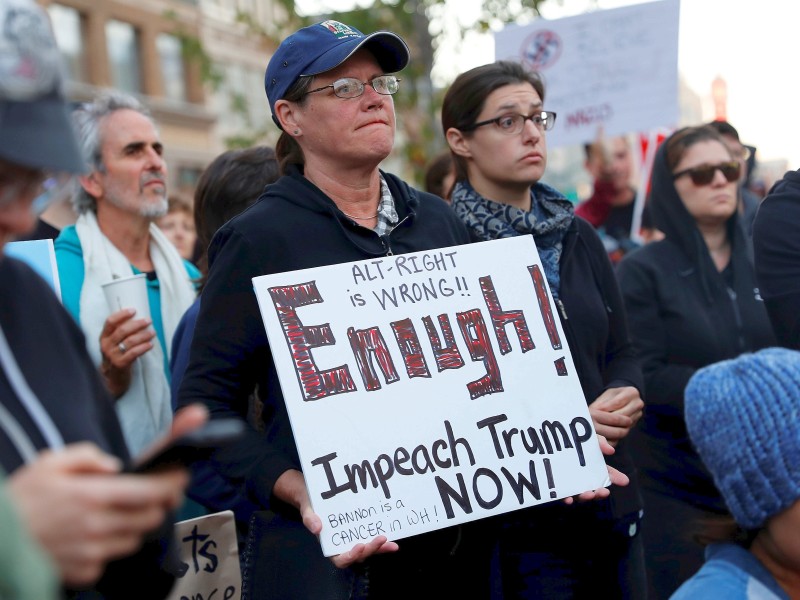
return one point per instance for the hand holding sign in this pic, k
(291, 488)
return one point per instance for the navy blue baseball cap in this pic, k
(324, 46)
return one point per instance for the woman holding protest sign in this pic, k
(693, 301)
(330, 89)
(495, 124)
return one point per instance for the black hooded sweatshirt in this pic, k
(292, 226)
(684, 314)
(776, 241)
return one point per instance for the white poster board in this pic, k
(616, 69)
(40, 256)
(209, 554)
(408, 380)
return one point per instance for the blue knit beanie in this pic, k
(743, 416)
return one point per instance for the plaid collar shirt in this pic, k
(387, 215)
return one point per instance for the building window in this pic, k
(68, 28)
(123, 54)
(170, 57)
(188, 177)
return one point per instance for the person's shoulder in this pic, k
(68, 240)
(651, 262)
(20, 273)
(25, 283)
(781, 207)
(191, 269)
(653, 253)
(730, 573)
(276, 202)
(716, 580)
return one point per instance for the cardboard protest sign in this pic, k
(428, 389)
(40, 256)
(616, 69)
(209, 555)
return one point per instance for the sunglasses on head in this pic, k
(705, 174)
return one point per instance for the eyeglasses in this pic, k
(349, 87)
(704, 175)
(513, 123)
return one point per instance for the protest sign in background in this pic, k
(40, 256)
(614, 68)
(209, 555)
(428, 389)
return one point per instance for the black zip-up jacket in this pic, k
(684, 314)
(293, 225)
(776, 242)
(50, 350)
(593, 317)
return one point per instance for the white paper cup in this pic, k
(128, 292)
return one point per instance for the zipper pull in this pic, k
(387, 244)
(561, 309)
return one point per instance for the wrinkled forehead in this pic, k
(126, 126)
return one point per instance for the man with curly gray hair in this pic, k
(114, 238)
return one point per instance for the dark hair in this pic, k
(436, 171)
(724, 528)
(287, 150)
(685, 138)
(724, 128)
(179, 204)
(232, 182)
(466, 97)
(588, 149)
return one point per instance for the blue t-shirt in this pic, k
(69, 257)
(730, 573)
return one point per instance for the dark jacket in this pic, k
(51, 352)
(293, 225)
(594, 321)
(776, 241)
(684, 315)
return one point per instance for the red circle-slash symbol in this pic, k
(541, 50)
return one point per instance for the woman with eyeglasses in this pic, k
(692, 300)
(494, 120)
(330, 90)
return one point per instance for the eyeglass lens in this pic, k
(705, 174)
(351, 88)
(516, 123)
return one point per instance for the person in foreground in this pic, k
(692, 300)
(743, 417)
(330, 90)
(494, 120)
(61, 444)
(776, 246)
(232, 181)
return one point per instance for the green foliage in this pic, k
(194, 52)
(419, 22)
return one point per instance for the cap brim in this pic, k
(39, 135)
(388, 48)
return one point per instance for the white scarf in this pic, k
(145, 410)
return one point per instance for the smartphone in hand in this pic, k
(196, 445)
